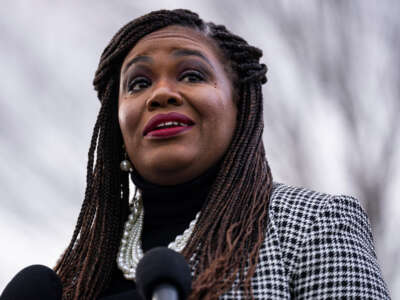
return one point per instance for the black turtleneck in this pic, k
(168, 210)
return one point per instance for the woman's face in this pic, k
(176, 108)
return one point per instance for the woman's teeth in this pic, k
(170, 124)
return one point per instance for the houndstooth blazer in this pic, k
(317, 246)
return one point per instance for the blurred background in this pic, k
(332, 108)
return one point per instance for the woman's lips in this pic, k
(166, 125)
(168, 132)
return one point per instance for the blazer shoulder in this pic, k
(304, 207)
(320, 235)
(297, 203)
(295, 211)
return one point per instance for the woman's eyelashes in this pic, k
(192, 76)
(139, 83)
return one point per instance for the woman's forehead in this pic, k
(175, 31)
(171, 38)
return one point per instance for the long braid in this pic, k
(226, 240)
(85, 266)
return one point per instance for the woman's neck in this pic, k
(170, 209)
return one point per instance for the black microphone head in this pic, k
(163, 265)
(33, 283)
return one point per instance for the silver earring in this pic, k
(126, 165)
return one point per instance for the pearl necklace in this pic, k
(130, 250)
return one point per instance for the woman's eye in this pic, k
(138, 84)
(192, 76)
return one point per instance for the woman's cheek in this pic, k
(128, 117)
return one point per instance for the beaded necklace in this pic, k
(130, 251)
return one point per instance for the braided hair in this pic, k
(225, 242)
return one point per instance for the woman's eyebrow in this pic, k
(190, 52)
(140, 58)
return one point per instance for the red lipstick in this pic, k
(167, 125)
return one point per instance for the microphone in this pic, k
(35, 282)
(163, 274)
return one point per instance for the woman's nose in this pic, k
(163, 96)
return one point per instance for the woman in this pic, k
(181, 112)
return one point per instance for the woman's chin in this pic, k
(170, 171)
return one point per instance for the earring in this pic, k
(126, 165)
